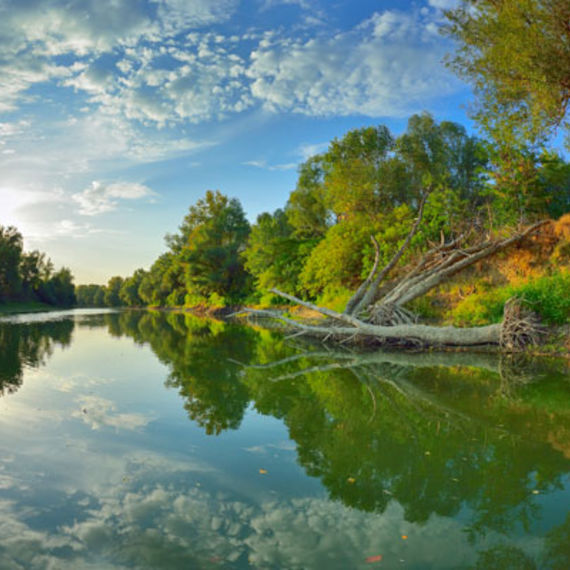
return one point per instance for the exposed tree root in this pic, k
(388, 314)
(388, 322)
(520, 327)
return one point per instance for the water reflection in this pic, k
(31, 345)
(467, 456)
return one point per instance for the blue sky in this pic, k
(117, 115)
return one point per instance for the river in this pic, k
(160, 440)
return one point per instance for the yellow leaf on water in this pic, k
(351, 480)
(263, 471)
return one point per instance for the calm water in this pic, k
(138, 440)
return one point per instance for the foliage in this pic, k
(112, 292)
(91, 295)
(30, 276)
(129, 291)
(273, 254)
(517, 56)
(11, 246)
(209, 245)
(547, 295)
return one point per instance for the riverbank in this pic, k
(15, 308)
(555, 343)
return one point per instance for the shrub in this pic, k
(549, 296)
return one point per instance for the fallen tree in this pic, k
(386, 320)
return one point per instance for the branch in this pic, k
(417, 283)
(371, 290)
(355, 299)
(323, 310)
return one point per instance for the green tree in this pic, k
(129, 292)
(210, 244)
(112, 297)
(99, 296)
(274, 256)
(517, 56)
(11, 245)
(35, 270)
(307, 210)
(372, 184)
(91, 295)
(63, 290)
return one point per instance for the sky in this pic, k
(117, 115)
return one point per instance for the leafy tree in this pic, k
(91, 295)
(554, 180)
(274, 256)
(307, 210)
(99, 296)
(11, 245)
(111, 296)
(211, 240)
(129, 292)
(35, 270)
(164, 282)
(372, 183)
(62, 288)
(517, 56)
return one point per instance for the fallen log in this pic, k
(413, 334)
(387, 322)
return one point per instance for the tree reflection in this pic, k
(197, 352)
(30, 344)
(432, 432)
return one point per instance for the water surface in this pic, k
(146, 440)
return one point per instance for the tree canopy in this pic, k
(517, 56)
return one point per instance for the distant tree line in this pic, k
(30, 276)
(368, 183)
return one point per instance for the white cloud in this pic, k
(390, 65)
(443, 4)
(304, 4)
(100, 198)
(307, 150)
(97, 412)
(271, 167)
(181, 14)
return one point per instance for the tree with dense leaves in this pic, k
(517, 56)
(129, 292)
(11, 245)
(371, 183)
(210, 244)
(112, 297)
(35, 270)
(274, 255)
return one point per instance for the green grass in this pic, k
(548, 296)
(14, 308)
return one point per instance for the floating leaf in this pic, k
(404, 537)
(376, 558)
(263, 471)
(351, 480)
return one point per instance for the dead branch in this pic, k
(520, 327)
(440, 264)
(399, 334)
(356, 298)
(365, 297)
(323, 310)
(389, 322)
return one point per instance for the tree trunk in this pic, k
(399, 334)
(395, 325)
